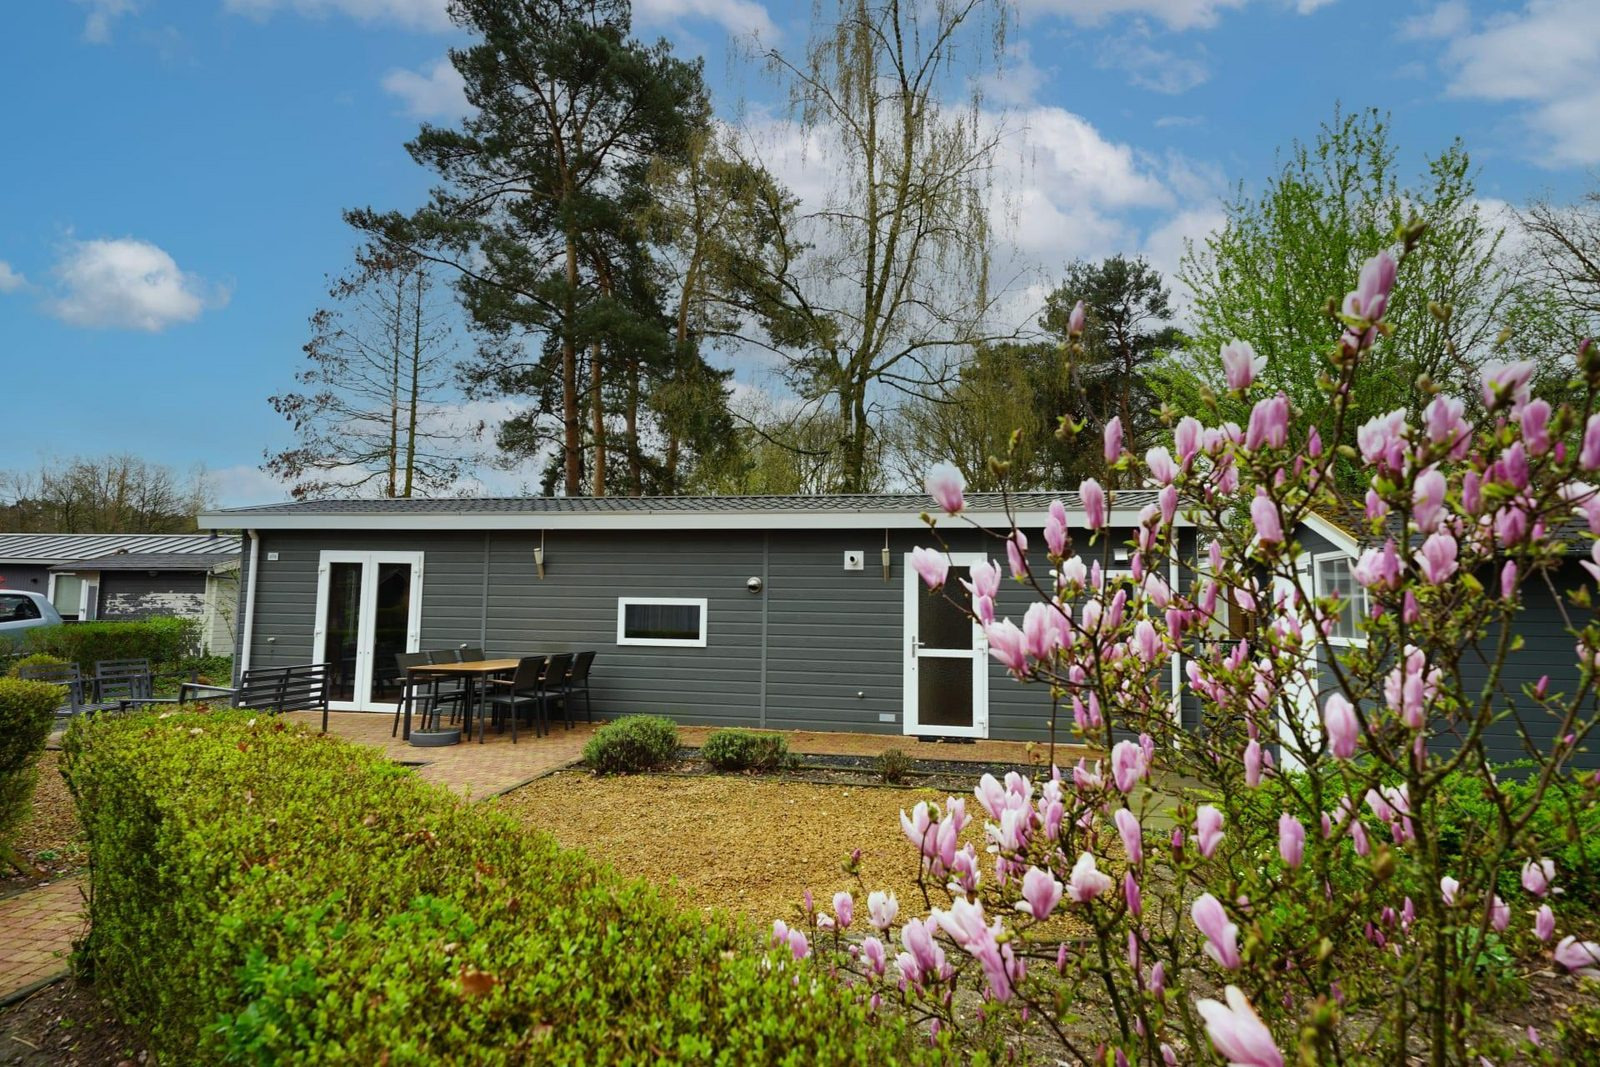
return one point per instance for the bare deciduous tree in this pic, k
(106, 494)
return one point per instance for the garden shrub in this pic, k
(264, 894)
(741, 750)
(632, 744)
(27, 714)
(894, 766)
(162, 641)
(38, 659)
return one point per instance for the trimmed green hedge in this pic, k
(742, 750)
(264, 894)
(162, 641)
(27, 715)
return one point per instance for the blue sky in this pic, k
(175, 170)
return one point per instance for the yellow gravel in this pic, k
(747, 845)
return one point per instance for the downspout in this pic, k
(249, 602)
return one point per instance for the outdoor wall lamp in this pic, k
(886, 555)
(538, 555)
(753, 584)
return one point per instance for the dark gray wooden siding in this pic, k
(26, 577)
(141, 595)
(834, 640)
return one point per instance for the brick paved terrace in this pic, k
(37, 928)
(478, 771)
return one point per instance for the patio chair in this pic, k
(116, 680)
(66, 675)
(410, 682)
(452, 691)
(525, 688)
(468, 654)
(556, 677)
(577, 680)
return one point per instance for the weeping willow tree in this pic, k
(894, 286)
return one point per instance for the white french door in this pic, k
(946, 683)
(369, 608)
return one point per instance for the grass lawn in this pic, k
(749, 845)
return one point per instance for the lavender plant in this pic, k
(1270, 886)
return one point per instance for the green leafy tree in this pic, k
(1270, 274)
(532, 204)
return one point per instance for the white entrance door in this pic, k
(369, 608)
(947, 657)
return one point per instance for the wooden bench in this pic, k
(301, 687)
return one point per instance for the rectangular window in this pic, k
(1334, 578)
(661, 621)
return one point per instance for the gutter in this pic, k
(249, 602)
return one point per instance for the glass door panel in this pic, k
(946, 674)
(391, 628)
(342, 629)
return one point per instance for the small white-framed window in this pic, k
(679, 621)
(1334, 576)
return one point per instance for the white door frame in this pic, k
(366, 618)
(978, 653)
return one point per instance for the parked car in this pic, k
(23, 611)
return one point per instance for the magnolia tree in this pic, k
(1270, 887)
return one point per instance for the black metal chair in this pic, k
(555, 682)
(410, 682)
(66, 675)
(468, 654)
(525, 688)
(578, 681)
(116, 680)
(448, 689)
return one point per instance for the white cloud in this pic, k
(127, 284)
(436, 92)
(738, 17)
(1544, 57)
(1175, 14)
(242, 486)
(1169, 121)
(414, 14)
(1149, 67)
(97, 23)
(1165, 245)
(1446, 20)
(10, 279)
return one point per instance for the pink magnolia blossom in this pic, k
(1442, 422)
(1128, 765)
(1252, 763)
(1291, 839)
(1132, 835)
(1075, 320)
(872, 951)
(1536, 426)
(932, 565)
(1581, 958)
(1094, 504)
(965, 924)
(1240, 364)
(923, 959)
(1041, 892)
(1544, 923)
(1371, 296)
(1499, 915)
(1017, 554)
(1427, 499)
(1382, 440)
(1379, 568)
(1113, 439)
(1147, 642)
(1086, 882)
(1506, 383)
(844, 909)
(1448, 888)
(1131, 894)
(1186, 439)
(1269, 423)
(1160, 462)
(1508, 580)
(883, 908)
(1008, 645)
(1340, 725)
(1055, 529)
(985, 579)
(946, 485)
(1208, 829)
(1041, 632)
(1437, 557)
(1222, 936)
(1589, 455)
(1264, 517)
(1537, 875)
(1237, 1032)
(798, 946)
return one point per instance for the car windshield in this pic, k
(14, 608)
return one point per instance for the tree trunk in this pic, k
(572, 430)
(398, 315)
(416, 384)
(631, 418)
(598, 405)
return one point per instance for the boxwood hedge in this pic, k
(263, 894)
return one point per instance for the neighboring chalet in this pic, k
(785, 612)
(130, 576)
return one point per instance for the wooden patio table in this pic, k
(474, 671)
